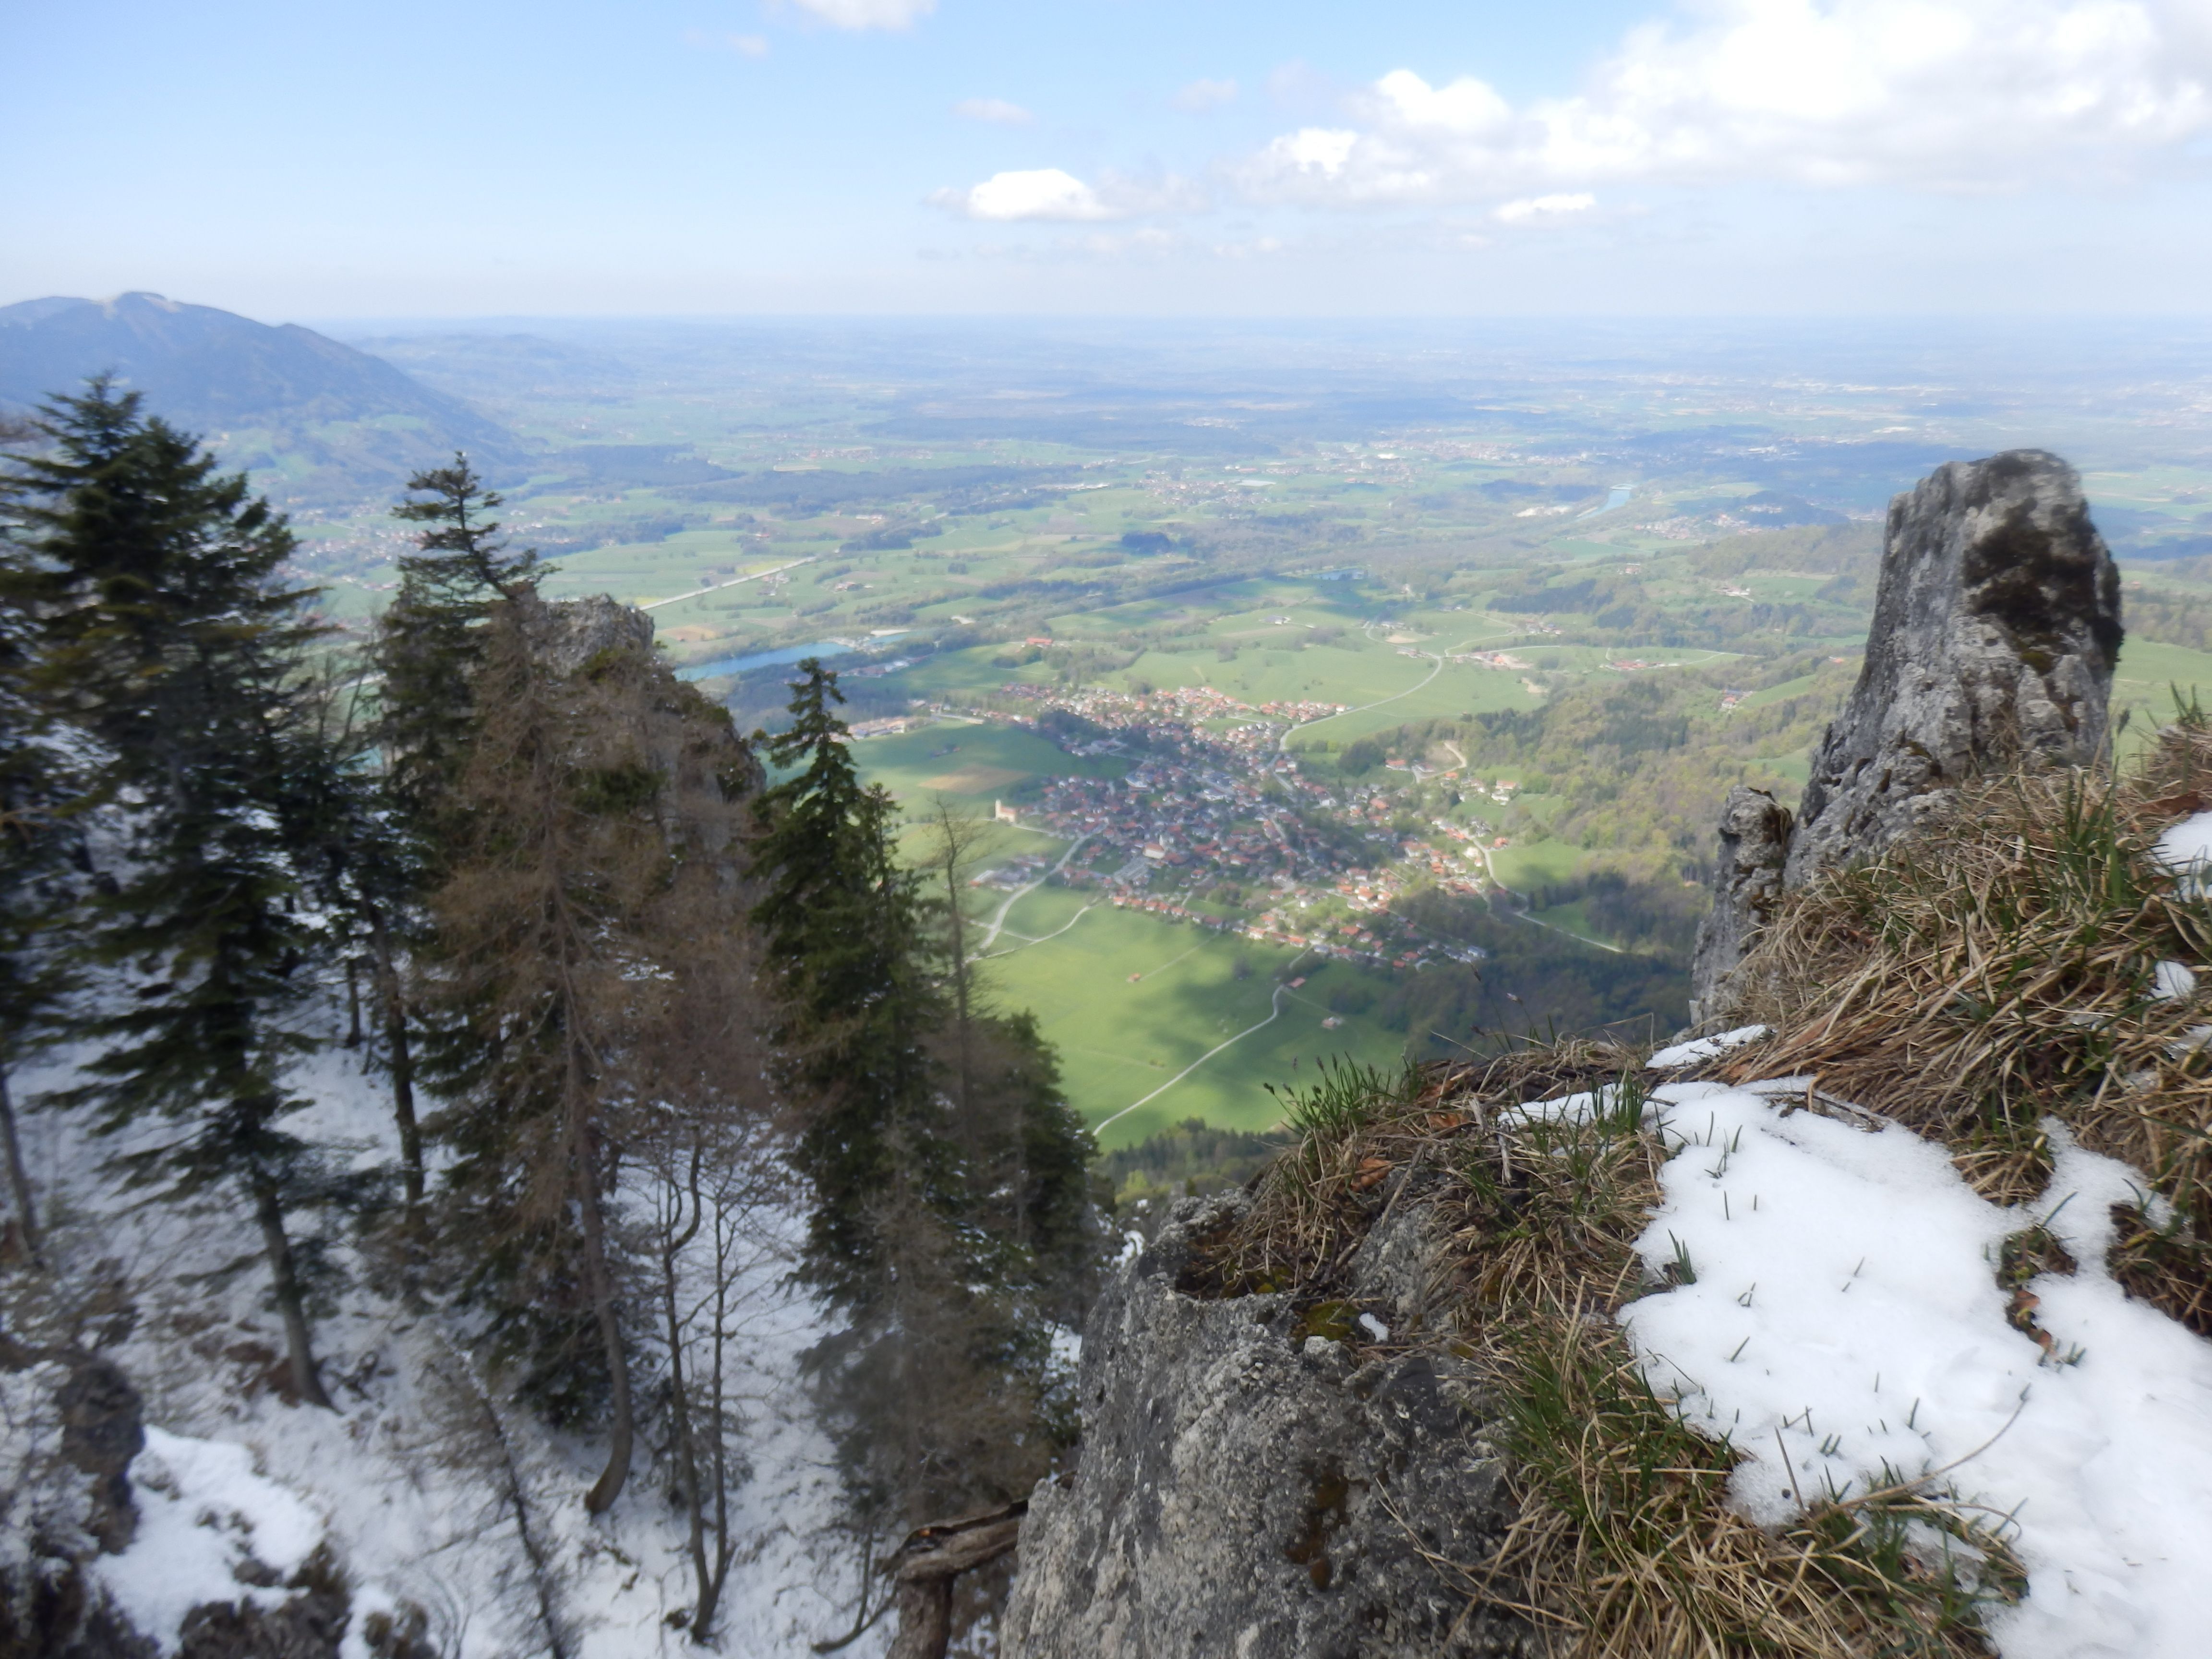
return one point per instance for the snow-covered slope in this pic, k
(405, 1480)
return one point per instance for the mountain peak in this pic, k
(277, 398)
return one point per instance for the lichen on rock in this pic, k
(1247, 1488)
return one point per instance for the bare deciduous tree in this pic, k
(597, 890)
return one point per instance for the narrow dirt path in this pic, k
(1522, 915)
(1283, 744)
(1275, 1008)
(1275, 1001)
(1026, 941)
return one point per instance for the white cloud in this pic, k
(1038, 193)
(996, 110)
(1203, 95)
(1147, 241)
(1314, 152)
(1260, 248)
(1545, 210)
(1049, 194)
(1935, 93)
(868, 14)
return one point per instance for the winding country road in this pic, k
(999, 917)
(1275, 1012)
(1283, 744)
(1522, 915)
(1026, 940)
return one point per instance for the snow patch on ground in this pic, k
(202, 1511)
(1566, 1108)
(1845, 1330)
(2186, 849)
(1698, 1049)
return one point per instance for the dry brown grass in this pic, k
(1625, 1546)
(1997, 973)
(1356, 1128)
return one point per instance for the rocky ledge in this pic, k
(1249, 1488)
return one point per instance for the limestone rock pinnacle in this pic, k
(1997, 627)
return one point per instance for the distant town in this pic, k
(1215, 824)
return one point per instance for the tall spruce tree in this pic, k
(369, 869)
(1025, 1151)
(843, 935)
(42, 786)
(951, 1218)
(1031, 1176)
(174, 644)
(390, 825)
(430, 642)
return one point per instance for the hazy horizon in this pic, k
(980, 157)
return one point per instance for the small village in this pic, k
(1216, 824)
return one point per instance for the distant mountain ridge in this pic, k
(318, 421)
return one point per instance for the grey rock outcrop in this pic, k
(1746, 885)
(103, 1430)
(70, 1498)
(569, 633)
(1245, 1489)
(1997, 627)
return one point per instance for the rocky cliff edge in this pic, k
(1251, 1486)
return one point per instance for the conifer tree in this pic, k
(369, 870)
(1026, 1151)
(387, 824)
(843, 935)
(172, 642)
(429, 643)
(951, 1217)
(41, 789)
(1032, 1179)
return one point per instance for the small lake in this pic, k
(707, 671)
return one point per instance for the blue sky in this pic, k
(1096, 156)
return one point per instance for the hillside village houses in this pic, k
(1212, 799)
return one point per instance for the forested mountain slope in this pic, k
(322, 422)
(488, 1171)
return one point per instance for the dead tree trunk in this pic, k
(515, 1497)
(927, 1563)
(291, 1299)
(19, 1177)
(400, 1057)
(600, 1279)
(675, 1236)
